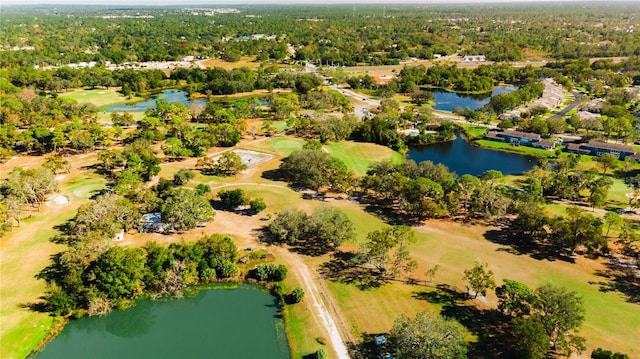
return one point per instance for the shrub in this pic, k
(269, 272)
(321, 354)
(297, 295)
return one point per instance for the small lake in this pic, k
(463, 158)
(447, 101)
(171, 96)
(242, 322)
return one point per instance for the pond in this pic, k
(447, 101)
(464, 158)
(172, 96)
(242, 322)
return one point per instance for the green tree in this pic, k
(428, 336)
(118, 272)
(233, 198)
(184, 209)
(56, 163)
(514, 298)
(183, 176)
(387, 251)
(579, 228)
(315, 170)
(532, 341)
(107, 215)
(257, 205)
(329, 227)
(600, 353)
(561, 314)
(297, 295)
(289, 226)
(607, 161)
(228, 164)
(480, 279)
(599, 189)
(612, 219)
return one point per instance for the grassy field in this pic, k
(358, 156)
(99, 97)
(282, 146)
(610, 319)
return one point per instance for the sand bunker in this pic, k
(57, 201)
(252, 158)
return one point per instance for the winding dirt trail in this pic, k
(315, 294)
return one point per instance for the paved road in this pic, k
(577, 101)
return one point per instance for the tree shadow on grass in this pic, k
(488, 325)
(538, 251)
(343, 269)
(39, 306)
(620, 278)
(273, 175)
(391, 215)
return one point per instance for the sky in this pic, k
(218, 3)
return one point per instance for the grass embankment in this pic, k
(99, 97)
(26, 251)
(507, 147)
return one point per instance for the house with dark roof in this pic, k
(519, 137)
(598, 148)
(544, 144)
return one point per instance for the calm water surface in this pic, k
(463, 158)
(172, 96)
(447, 101)
(219, 323)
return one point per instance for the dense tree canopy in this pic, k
(428, 336)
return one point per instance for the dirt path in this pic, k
(316, 295)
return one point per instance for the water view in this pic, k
(447, 101)
(172, 96)
(222, 323)
(463, 158)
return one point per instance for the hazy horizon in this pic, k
(276, 2)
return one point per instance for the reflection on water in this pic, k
(172, 96)
(447, 101)
(219, 323)
(463, 158)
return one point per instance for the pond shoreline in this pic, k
(61, 322)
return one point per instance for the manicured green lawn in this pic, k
(525, 150)
(473, 131)
(99, 97)
(359, 155)
(281, 145)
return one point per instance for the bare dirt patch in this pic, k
(245, 61)
(57, 201)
